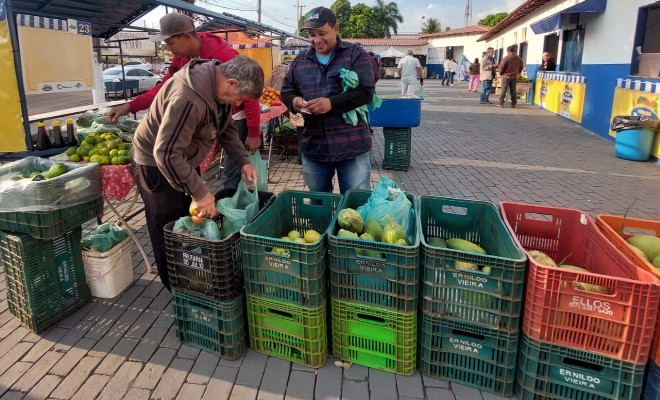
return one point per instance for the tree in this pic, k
(343, 11)
(492, 19)
(447, 29)
(301, 22)
(362, 23)
(388, 18)
(431, 25)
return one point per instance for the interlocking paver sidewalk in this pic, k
(126, 347)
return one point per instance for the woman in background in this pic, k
(475, 70)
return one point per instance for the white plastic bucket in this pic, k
(109, 273)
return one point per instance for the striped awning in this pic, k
(41, 22)
(636, 84)
(562, 77)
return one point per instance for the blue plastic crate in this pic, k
(397, 111)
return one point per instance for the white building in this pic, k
(611, 47)
(454, 43)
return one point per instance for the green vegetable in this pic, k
(343, 233)
(392, 231)
(38, 178)
(350, 220)
(464, 245)
(55, 170)
(437, 242)
(373, 228)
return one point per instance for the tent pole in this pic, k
(13, 38)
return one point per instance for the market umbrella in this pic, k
(392, 52)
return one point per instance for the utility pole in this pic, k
(299, 8)
(259, 11)
(468, 13)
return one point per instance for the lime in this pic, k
(103, 151)
(96, 158)
(125, 146)
(71, 151)
(86, 159)
(123, 153)
(124, 160)
(105, 160)
(114, 160)
(85, 143)
(91, 140)
(83, 151)
(74, 157)
(111, 145)
(93, 151)
(113, 153)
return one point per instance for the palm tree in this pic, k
(389, 16)
(431, 25)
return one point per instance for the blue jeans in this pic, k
(486, 86)
(352, 174)
(446, 78)
(232, 172)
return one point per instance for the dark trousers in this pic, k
(510, 84)
(446, 78)
(162, 205)
(232, 172)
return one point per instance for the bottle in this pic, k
(58, 140)
(70, 134)
(43, 141)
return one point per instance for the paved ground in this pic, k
(126, 347)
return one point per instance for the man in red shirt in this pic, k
(178, 32)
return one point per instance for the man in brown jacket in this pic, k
(189, 112)
(510, 67)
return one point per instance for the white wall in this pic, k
(609, 36)
(463, 45)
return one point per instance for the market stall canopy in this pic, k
(250, 27)
(556, 21)
(392, 52)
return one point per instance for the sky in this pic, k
(281, 14)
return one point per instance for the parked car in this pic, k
(137, 63)
(147, 80)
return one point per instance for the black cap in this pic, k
(319, 16)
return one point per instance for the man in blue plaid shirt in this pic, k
(313, 87)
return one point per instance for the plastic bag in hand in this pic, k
(388, 199)
(239, 209)
(262, 171)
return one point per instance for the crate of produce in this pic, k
(403, 111)
(472, 355)
(373, 273)
(652, 385)
(461, 284)
(70, 184)
(45, 278)
(374, 337)
(607, 306)
(48, 224)
(211, 268)
(285, 269)
(547, 371)
(110, 272)
(619, 230)
(293, 333)
(397, 148)
(214, 326)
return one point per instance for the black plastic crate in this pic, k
(207, 267)
(397, 148)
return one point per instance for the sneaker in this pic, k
(451, 84)
(500, 105)
(483, 102)
(489, 102)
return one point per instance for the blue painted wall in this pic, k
(431, 68)
(601, 82)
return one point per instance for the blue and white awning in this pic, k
(555, 21)
(635, 84)
(41, 22)
(562, 77)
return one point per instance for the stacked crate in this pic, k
(469, 318)
(207, 288)
(586, 335)
(40, 232)
(285, 280)
(618, 229)
(374, 299)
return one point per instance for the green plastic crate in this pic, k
(391, 282)
(52, 223)
(492, 299)
(45, 278)
(374, 337)
(547, 371)
(293, 333)
(397, 148)
(295, 276)
(472, 355)
(214, 326)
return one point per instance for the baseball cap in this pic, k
(319, 16)
(173, 24)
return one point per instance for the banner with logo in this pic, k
(561, 94)
(638, 103)
(12, 137)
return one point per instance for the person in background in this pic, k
(446, 65)
(178, 32)
(453, 67)
(549, 63)
(374, 64)
(510, 67)
(475, 71)
(410, 70)
(188, 114)
(488, 67)
(312, 87)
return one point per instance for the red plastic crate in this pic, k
(618, 324)
(618, 229)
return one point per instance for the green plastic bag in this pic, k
(262, 171)
(420, 94)
(104, 238)
(388, 199)
(238, 209)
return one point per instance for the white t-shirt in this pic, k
(409, 65)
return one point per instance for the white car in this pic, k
(138, 64)
(147, 80)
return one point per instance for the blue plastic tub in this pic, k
(652, 386)
(397, 111)
(634, 144)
